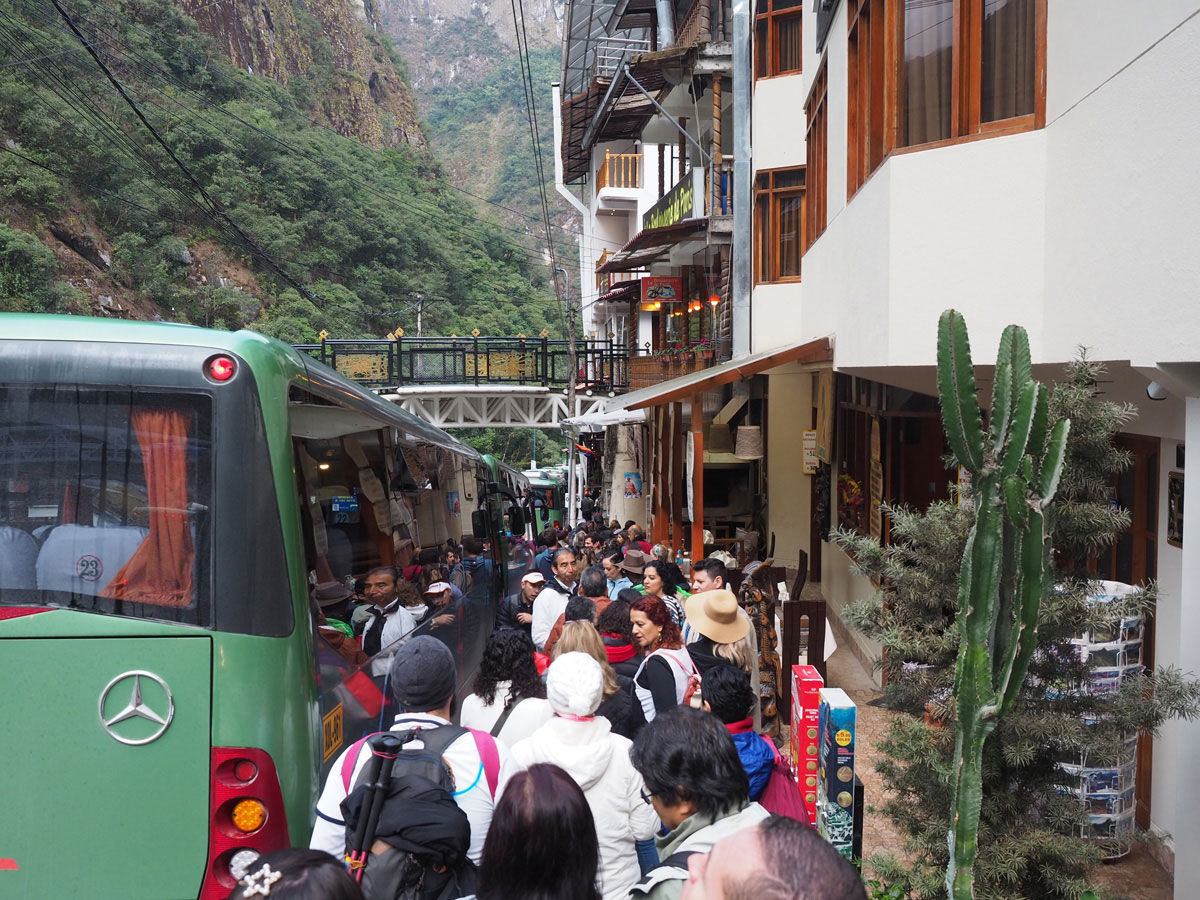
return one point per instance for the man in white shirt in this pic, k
(423, 679)
(552, 601)
(389, 621)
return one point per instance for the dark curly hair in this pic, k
(508, 656)
(671, 575)
(727, 692)
(657, 612)
(615, 618)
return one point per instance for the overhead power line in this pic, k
(242, 240)
(158, 37)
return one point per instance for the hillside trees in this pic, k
(341, 237)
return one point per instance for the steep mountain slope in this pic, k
(357, 79)
(466, 74)
(244, 206)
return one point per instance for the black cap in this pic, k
(423, 674)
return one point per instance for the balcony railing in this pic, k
(383, 363)
(720, 188)
(648, 370)
(612, 52)
(619, 170)
(694, 29)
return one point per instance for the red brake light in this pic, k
(221, 368)
(241, 774)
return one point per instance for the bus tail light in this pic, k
(246, 816)
(220, 368)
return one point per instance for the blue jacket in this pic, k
(614, 587)
(757, 754)
(543, 563)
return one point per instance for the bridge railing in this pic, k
(384, 363)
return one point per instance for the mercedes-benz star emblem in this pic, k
(137, 707)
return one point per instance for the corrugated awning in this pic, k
(624, 114)
(650, 244)
(599, 421)
(628, 290)
(818, 351)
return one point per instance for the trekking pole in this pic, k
(383, 756)
(385, 748)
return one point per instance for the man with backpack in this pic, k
(423, 680)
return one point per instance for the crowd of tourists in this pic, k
(618, 741)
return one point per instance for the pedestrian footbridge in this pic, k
(481, 382)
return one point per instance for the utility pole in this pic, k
(573, 364)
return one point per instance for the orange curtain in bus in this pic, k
(160, 571)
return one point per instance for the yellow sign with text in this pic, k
(332, 731)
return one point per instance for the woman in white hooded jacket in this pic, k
(598, 760)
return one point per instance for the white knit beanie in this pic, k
(574, 684)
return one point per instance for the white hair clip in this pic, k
(260, 882)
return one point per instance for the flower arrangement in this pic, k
(683, 351)
(851, 494)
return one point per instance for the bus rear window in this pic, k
(104, 500)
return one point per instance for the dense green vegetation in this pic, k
(480, 128)
(518, 446)
(335, 236)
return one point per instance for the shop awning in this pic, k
(627, 290)
(650, 244)
(600, 420)
(814, 352)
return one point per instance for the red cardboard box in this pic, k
(806, 705)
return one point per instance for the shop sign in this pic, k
(658, 289)
(684, 201)
(810, 459)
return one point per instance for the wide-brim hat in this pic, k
(635, 561)
(331, 593)
(715, 615)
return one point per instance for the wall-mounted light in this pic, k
(323, 466)
(1156, 391)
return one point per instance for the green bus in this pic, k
(548, 497)
(168, 497)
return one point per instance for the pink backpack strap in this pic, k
(351, 758)
(489, 755)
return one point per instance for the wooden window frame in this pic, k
(772, 17)
(869, 140)
(816, 137)
(772, 196)
(875, 49)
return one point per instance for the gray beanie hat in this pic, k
(423, 675)
(574, 684)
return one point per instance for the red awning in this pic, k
(626, 290)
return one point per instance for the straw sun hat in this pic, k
(715, 615)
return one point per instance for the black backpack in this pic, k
(418, 848)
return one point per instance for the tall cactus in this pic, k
(1005, 567)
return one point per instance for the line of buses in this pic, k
(168, 496)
